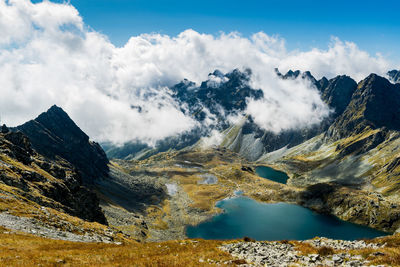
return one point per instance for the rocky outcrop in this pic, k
(286, 254)
(48, 182)
(54, 135)
(357, 206)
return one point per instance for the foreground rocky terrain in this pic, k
(285, 254)
(19, 249)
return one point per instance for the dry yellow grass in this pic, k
(26, 250)
(205, 196)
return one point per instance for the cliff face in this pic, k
(374, 104)
(54, 135)
(28, 177)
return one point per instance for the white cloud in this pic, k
(340, 58)
(287, 104)
(49, 56)
(213, 139)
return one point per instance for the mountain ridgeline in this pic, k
(374, 104)
(222, 95)
(53, 134)
(371, 103)
(51, 162)
(210, 104)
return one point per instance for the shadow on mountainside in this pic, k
(133, 193)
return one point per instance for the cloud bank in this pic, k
(49, 56)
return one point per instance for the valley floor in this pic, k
(155, 199)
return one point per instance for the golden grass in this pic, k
(304, 248)
(26, 250)
(204, 197)
(156, 215)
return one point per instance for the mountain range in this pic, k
(55, 182)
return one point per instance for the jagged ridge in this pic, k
(53, 134)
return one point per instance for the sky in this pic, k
(373, 25)
(97, 59)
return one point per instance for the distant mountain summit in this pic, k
(218, 96)
(374, 104)
(210, 104)
(394, 76)
(53, 134)
(337, 92)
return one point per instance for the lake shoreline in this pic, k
(243, 216)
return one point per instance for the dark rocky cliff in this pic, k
(374, 104)
(48, 182)
(54, 135)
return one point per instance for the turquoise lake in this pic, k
(271, 174)
(246, 217)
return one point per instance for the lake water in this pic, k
(246, 217)
(271, 174)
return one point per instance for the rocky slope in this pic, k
(286, 254)
(54, 135)
(48, 182)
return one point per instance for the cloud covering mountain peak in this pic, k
(49, 56)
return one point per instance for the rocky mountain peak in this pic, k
(394, 76)
(323, 83)
(57, 121)
(53, 134)
(337, 92)
(381, 100)
(217, 73)
(228, 91)
(375, 104)
(4, 129)
(296, 74)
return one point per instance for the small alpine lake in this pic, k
(244, 216)
(272, 174)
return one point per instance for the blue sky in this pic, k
(374, 26)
